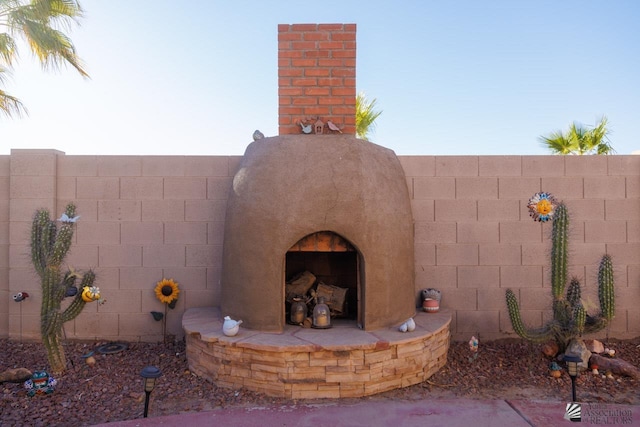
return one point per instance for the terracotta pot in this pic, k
(431, 305)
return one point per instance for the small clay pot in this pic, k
(431, 305)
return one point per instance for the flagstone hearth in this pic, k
(299, 363)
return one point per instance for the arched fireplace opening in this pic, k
(331, 264)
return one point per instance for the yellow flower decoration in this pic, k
(90, 293)
(167, 291)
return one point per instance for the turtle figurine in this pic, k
(554, 370)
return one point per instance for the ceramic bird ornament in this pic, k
(230, 327)
(332, 126)
(20, 296)
(65, 218)
(408, 326)
(306, 128)
(257, 135)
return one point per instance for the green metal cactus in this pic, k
(570, 319)
(49, 247)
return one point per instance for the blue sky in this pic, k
(452, 77)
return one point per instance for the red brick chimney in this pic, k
(316, 76)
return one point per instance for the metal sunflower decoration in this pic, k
(542, 206)
(167, 291)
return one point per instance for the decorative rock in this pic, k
(16, 375)
(550, 349)
(411, 325)
(616, 366)
(577, 347)
(594, 346)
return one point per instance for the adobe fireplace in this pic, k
(336, 206)
(293, 186)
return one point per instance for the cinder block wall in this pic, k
(142, 219)
(316, 75)
(5, 297)
(145, 218)
(474, 237)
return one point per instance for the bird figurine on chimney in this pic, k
(332, 126)
(306, 128)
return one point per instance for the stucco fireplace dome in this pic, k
(292, 186)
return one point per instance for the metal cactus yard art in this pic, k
(570, 319)
(49, 247)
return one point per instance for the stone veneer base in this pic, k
(300, 363)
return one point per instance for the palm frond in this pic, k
(558, 143)
(7, 48)
(10, 105)
(52, 47)
(40, 23)
(580, 140)
(366, 116)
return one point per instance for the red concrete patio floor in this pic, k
(376, 412)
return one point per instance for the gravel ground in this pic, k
(112, 389)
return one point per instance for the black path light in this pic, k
(572, 367)
(149, 373)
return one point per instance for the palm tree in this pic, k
(580, 140)
(37, 23)
(366, 116)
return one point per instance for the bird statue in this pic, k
(332, 126)
(20, 296)
(257, 135)
(306, 128)
(230, 327)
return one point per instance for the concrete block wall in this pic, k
(142, 219)
(145, 218)
(5, 297)
(474, 237)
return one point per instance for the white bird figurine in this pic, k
(65, 218)
(306, 128)
(257, 135)
(333, 126)
(404, 327)
(230, 327)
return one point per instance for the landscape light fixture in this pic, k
(572, 367)
(149, 373)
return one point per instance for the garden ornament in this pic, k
(230, 327)
(40, 383)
